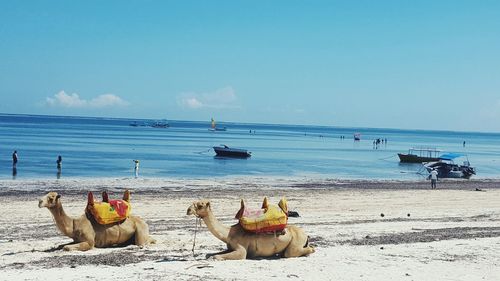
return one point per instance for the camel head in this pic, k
(199, 209)
(49, 201)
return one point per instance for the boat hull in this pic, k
(412, 158)
(217, 129)
(450, 170)
(231, 152)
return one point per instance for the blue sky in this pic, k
(392, 64)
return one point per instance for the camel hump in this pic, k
(105, 197)
(270, 218)
(108, 211)
(265, 203)
(90, 198)
(126, 195)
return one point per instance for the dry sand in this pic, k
(452, 233)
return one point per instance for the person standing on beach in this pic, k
(14, 159)
(434, 177)
(136, 167)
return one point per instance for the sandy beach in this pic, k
(362, 230)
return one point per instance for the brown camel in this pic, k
(87, 233)
(242, 244)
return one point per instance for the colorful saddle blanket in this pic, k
(109, 212)
(269, 218)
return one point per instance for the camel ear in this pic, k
(58, 196)
(105, 197)
(208, 205)
(90, 198)
(126, 195)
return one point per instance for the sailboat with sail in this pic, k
(213, 126)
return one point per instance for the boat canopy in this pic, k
(450, 156)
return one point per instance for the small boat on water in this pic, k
(357, 136)
(420, 155)
(447, 168)
(160, 124)
(225, 151)
(213, 127)
(137, 124)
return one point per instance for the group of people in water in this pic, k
(15, 159)
(378, 142)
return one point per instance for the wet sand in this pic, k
(362, 230)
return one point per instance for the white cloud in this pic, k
(65, 100)
(220, 98)
(62, 99)
(107, 100)
(192, 103)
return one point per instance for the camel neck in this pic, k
(64, 222)
(219, 230)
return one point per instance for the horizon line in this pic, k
(251, 123)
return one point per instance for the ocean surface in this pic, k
(106, 147)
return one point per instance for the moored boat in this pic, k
(160, 124)
(419, 155)
(225, 151)
(447, 168)
(357, 136)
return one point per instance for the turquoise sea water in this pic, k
(103, 147)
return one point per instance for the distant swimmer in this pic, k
(59, 166)
(14, 159)
(136, 167)
(59, 162)
(464, 144)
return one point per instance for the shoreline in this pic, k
(362, 230)
(144, 185)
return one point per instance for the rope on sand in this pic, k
(202, 264)
(198, 221)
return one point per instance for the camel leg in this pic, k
(239, 254)
(218, 253)
(60, 247)
(142, 234)
(293, 252)
(298, 249)
(82, 246)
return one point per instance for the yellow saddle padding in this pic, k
(109, 212)
(269, 218)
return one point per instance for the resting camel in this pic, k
(242, 244)
(87, 233)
